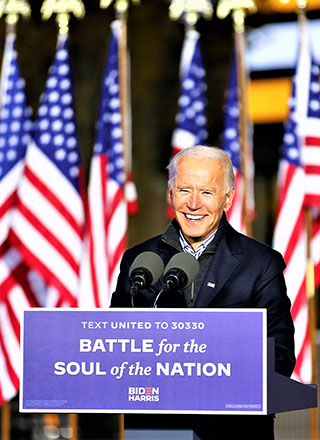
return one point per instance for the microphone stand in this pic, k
(134, 289)
(154, 305)
(171, 283)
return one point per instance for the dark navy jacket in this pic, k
(243, 273)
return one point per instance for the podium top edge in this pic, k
(140, 309)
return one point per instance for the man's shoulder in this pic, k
(244, 244)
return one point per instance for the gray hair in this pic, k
(203, 152)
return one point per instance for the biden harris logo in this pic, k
(143, 394)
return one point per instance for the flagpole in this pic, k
(238, 9)
(121, 7)
(12, 10)
(6, 408)
(124, 92)
(62, 18)
(238, 22)
(62, 9)
(192, 129)
(310, 271)
(310, 288)
(5, 421)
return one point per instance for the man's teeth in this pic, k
(193, 217)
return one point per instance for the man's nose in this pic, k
(194, 201)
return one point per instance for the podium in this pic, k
(153, 361)
(285, 394)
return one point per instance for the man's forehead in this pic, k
(208, 165)
(200, 159)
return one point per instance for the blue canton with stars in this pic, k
(55, 131)
(109, 132)
(192, 102)
(231, 133)
(314, 92)
(16, 124)
(291, 147)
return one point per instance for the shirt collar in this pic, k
(186, 247)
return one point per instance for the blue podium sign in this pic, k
(144, 360)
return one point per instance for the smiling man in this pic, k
(235, 271)
(199, 192)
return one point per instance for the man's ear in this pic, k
(170, 196)
(229, 200)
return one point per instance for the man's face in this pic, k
(198, 197)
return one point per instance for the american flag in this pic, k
(231, 145)
(310, 132)
(191, 118)
(47, 226)
(15, 132)
(15, 296)
(290, 229)
(107, 212)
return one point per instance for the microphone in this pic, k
(180, 272)
(145, 270)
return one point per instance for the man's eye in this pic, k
(209, 193)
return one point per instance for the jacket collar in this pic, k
(227, 259)
(171, 235)
(223, 264)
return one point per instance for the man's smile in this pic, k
(193, 217)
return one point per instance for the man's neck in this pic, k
(196, 244)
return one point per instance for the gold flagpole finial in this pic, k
(13, 8)
(238, 8)
(302, 5)
(63, 9)
(190, 10)
(121, 6)
(302, 11)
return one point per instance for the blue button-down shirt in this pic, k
(186, 247)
